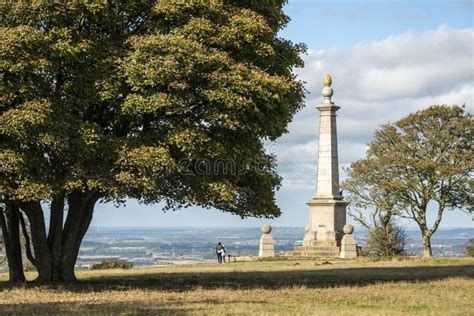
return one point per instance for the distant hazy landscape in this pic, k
(163, 246)
(170, 246)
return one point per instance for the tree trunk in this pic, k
(425, 232)
(427, 245)
(35, 215)
(81, 207)
(55, 253)
(11, 239)
(55, 235)
(34, 212)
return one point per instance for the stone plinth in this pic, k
(348, 243)
(328, 217)
(320, 248)
(267, 245)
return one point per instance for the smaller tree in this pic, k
(373, 209)
(422, 160)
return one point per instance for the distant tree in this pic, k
(108, 100)
(423, 159)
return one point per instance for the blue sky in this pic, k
(321, 24)
(387, 58)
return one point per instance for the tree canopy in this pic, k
(160, 101)
(422, 160)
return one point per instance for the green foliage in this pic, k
(470, 248)
(112, 264)
(423, 158)
(426, 156)
(127, 98)
(385, 241)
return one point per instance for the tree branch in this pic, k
(5, 233)
(56, 220)
(438, 219)
(359, 218)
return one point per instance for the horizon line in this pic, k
(258, 227)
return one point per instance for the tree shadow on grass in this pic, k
(320, 278)
(130, 306)
(219, 280)
(78, 308)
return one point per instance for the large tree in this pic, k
(420, 163)
(159, 101)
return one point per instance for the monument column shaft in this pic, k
(328, 167)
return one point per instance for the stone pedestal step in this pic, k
(319, 243)
(322, 249)
(326, 251)
(312, 254)
(320, 254)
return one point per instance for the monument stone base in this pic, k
(267, 248)
(328, 217)
(348, 247)
(324, 232)
(267, 245)
(326, 248)
(316, 248)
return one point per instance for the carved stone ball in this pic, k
(327, 92)
(266, 229)
(348, 229)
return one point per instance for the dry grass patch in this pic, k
(438, 286)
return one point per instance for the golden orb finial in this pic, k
(327, 81)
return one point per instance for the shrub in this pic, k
(385, 241)
(470, 248)
(112, 264)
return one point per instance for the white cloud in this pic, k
(402, 66)
(375, 83)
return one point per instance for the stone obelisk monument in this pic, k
(327, 207)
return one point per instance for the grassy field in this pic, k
(311, 287)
